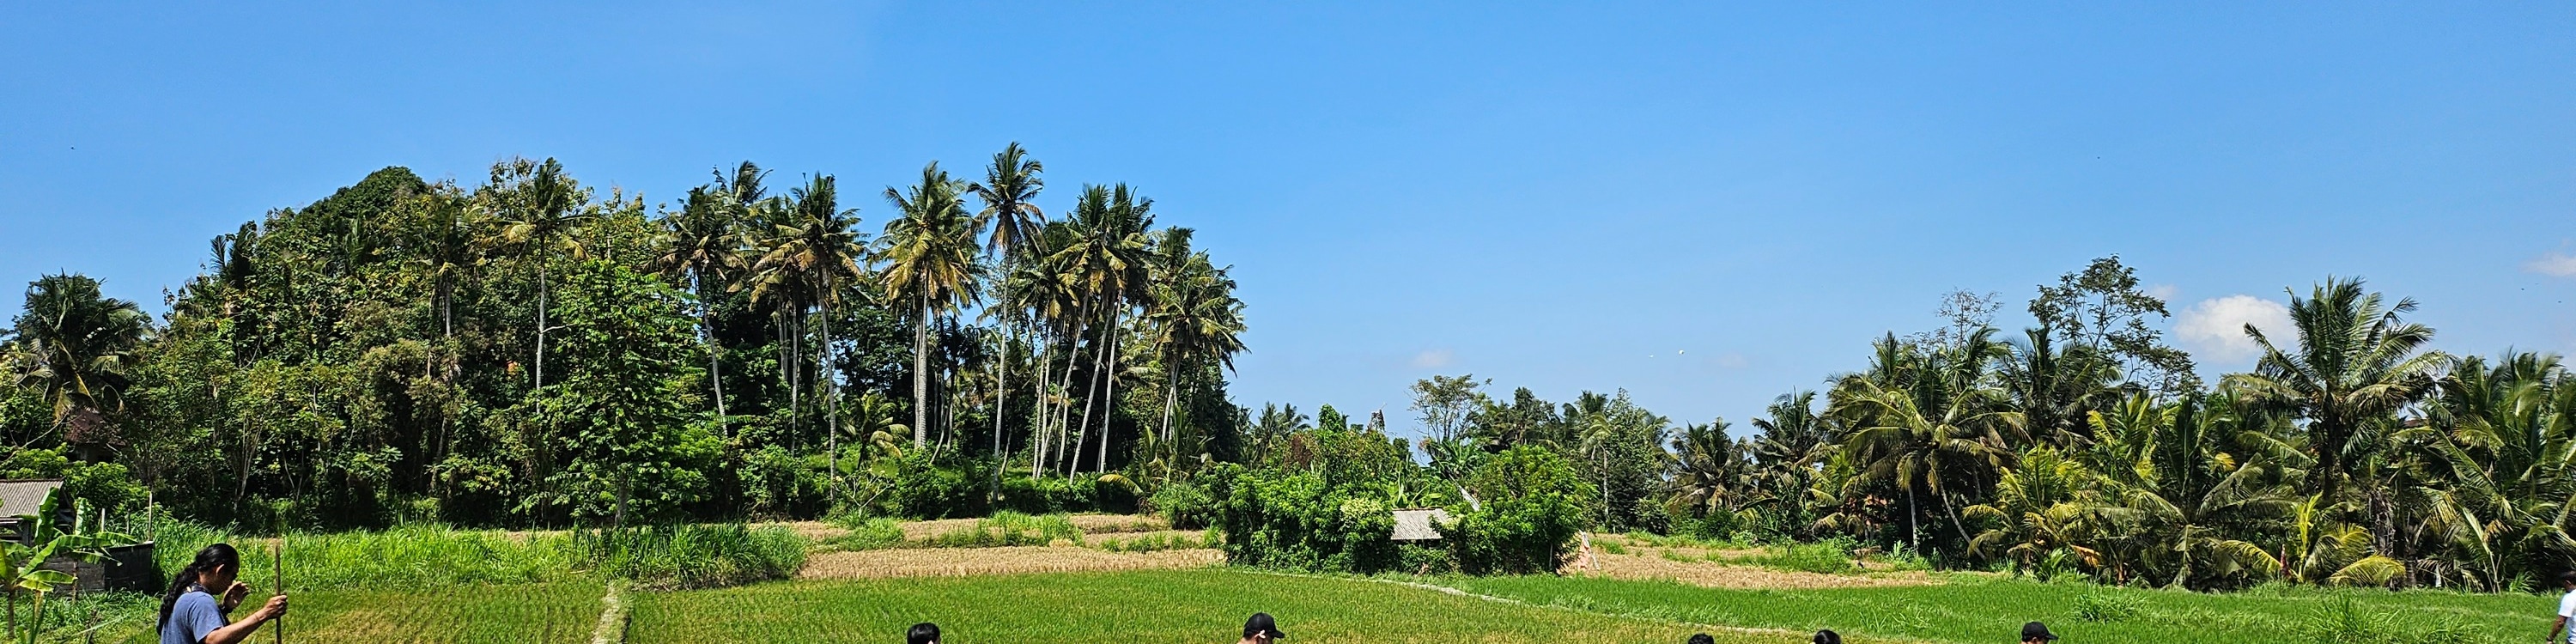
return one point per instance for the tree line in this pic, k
(2352, 453)
(527, 351)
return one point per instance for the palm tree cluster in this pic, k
(2351, 455)
(403, 349)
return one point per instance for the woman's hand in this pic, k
(233, 596)
(275, 608)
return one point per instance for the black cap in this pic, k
(1261, 624)
(2037, 631)
(1828, 636)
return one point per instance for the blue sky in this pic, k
(1705, 204)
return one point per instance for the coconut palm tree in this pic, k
(700, 243)
(821, 251)
(1924, 420)
(1195, 314)
(539, 209)
(2357, 362)
(75, 346)
(1009, 189)
(930, 253)
(1109, 263)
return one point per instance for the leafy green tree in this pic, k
(2102, 309)
(632, 447)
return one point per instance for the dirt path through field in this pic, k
(968, 562)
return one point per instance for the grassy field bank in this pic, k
(497, 614)
(1972, 608)
(1145, 607)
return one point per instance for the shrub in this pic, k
(691, 556)
(1047, 495)
(2107, 607)
(107, 486)
(776, 483)
(869, 534)
(1156, 542)
(1532, 509)
(1186, 505)
(1298, 521)
(923, 487)
(1007, 528)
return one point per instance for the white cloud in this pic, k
(2215, 328)
(2553, 265)
(2164, 292)
(1433, 359)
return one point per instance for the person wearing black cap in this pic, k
(922, 633)
(2036, 633)
(1261, 630)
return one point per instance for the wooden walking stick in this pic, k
(277, 568)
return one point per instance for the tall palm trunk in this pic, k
(921, 374)
(1109, 403)
(1038, 424)
(1090, 397)
(1171, 393)
(715, 367)
(542, 292)
(1067, 442)
(1001, 394)
(831, 395)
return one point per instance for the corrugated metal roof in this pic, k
(25, 496)
(1419, 525)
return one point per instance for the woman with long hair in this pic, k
(190, 613)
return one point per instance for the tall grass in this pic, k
(1007, 528)
(690, 556)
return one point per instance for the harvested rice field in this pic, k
(1015, 560)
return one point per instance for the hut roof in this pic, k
(25, 496)
(1419, 525)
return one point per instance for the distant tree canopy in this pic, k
(528, 351)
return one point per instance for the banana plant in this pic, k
(21, 565)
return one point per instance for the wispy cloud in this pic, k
(1433, 359)
(2215, 328)
(2553, 265)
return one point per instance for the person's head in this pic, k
(1828, 637)
(922, 633)
(1262, 629)
(213, 569)
(1702, 638)
(2036, 633)
(2567, 580)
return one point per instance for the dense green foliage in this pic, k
(528, 352)
(2351, 454)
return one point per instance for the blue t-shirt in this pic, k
(192, 618)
